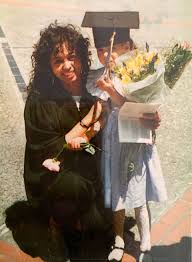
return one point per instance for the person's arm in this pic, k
(108, 86)
(88, 127)
(75, 143)
(95, 128)
(81, 127)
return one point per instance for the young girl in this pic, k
(129, 188)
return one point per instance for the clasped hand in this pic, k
(75, 143)
(104, 82)
(151, 120)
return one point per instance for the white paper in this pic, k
(130, 128)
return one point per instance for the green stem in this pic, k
(65, 146)
(96, 147)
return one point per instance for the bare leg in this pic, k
(118, 227)
(149, 213)
(143, 219)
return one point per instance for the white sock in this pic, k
(142, 215)
(117, 253)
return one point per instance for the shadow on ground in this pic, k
(33, 235)
(174, 253)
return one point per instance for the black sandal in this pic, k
(115, 260)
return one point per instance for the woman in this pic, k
(57, 101)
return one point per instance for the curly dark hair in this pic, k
(50, 42)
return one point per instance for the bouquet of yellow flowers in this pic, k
(140, 76)
(144, 76)
(138, 67)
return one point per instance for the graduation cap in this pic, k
(104, 24)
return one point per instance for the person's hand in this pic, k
(105, 84)
(113, 57)
(75, 143)
(151, 120)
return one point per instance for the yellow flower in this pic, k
(139, 60)
(134, 70)
(158, 60)
(136, 52)
(122, 70)
(126, 79)
(149, 56)
(130, 63)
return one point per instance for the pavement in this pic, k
(20, 24)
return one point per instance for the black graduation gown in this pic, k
(47, 119)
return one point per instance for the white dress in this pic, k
(127, 187)
(134, 170)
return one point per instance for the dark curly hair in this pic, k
(50, 42)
